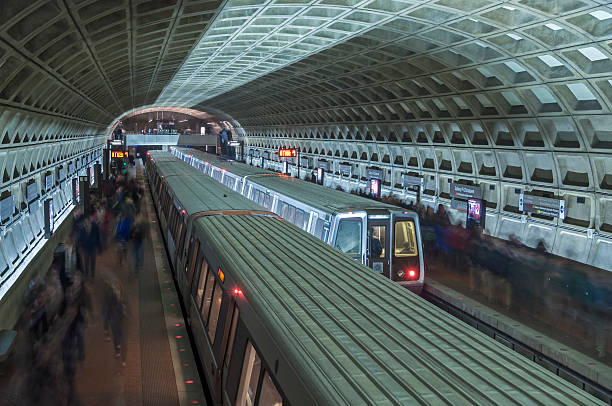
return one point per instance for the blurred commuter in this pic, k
(138, 234)
(115, 311)
(122, 235)
(73, 351)
(89, 241)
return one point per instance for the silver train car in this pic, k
(280, 318)
(381, 236)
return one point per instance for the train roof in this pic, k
(317, 196)
(237, 168)
(160, 156)
(196, 192)
(311, 194)
(354, 337)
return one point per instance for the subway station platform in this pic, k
(155, 364)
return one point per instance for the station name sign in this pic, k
(411, 181)
(464, 192)
(287, 153)
(7, 207)
(544, 206)
(374, 173)
(119, 154)
(345, 169)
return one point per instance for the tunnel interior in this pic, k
(513, 96)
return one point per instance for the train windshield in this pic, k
(405, 242)
(348, 238)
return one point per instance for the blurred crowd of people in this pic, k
(61, 302)
(568, 296)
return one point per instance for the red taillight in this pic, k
(184, 211)
(238, 292)
(411, 274)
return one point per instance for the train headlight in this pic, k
(401, 274)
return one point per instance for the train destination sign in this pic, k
(544, 206)
(458, 191)
(119, 154)
(287, 153)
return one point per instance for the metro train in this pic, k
(281, 318)
(384, 237)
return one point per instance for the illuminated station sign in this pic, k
(119, 154)
(287, 153)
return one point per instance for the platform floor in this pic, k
(560, 317)
(148, 376)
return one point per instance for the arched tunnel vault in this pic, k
(513, 95)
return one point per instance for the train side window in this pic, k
(213, 318)
(251, 367)
(299, 218)
(268, 394)
(182, 233)
(195, 248)
(318, 229)
(232, 334)
(291, 214)
(201, 281)
(283, 210)
(405, 242)
(348, 237)
(208, 293)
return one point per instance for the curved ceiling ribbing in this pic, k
(94, 59)
(457, 86)
(515, 95)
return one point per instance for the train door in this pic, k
(379, 244)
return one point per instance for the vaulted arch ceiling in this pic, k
(515, 92)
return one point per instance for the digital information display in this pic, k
(476, 213)
(49, 218)
(119, 154)
(320, 175)
(287, 153)
(375, 187)
(544, 206)
(75, 190)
